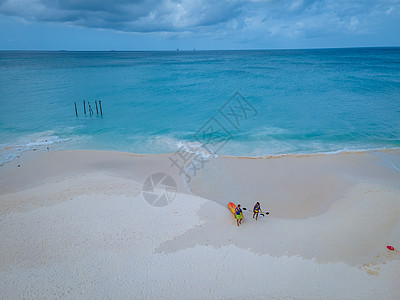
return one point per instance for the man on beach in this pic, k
(239, 215)
(256, 210)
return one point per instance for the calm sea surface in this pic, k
(288, 101)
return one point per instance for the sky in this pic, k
(197, 24)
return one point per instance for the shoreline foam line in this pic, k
(40, 147)
(274, 156)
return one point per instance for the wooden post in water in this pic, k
(76, 111)
(84, 107)
(90, 108)
(97, 110)
(101, 111)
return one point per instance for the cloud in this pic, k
(286, 18)
(311, 18)
(125, 15)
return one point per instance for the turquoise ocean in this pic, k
(249, 103)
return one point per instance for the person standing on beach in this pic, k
(239, 215)
(256, 210)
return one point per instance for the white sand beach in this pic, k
(75, 225)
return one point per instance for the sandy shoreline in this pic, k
(75, 224)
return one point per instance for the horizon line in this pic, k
(197, 50)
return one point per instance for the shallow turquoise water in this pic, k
(301, 101)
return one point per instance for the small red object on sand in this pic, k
(390, 248)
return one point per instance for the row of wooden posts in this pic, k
(89, 108)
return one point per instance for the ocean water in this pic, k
(240, 103)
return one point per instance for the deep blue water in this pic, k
(298, 101)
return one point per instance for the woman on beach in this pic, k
(256, 210)
(239, 215)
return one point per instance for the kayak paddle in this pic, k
(262, 214)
